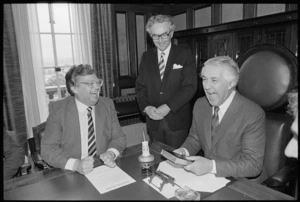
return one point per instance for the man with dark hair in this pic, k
(166, 84)
(82, 125)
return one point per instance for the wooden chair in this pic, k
(35, 147)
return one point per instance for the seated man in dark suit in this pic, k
(82, 125)
(229, 128)
(13, 156)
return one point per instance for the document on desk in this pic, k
(106, 179)
(206, 183)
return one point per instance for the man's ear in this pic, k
(73, 89)
(232, 84)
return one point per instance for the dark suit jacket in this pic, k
(13, 156)
(62, 138)
(239, 143)
(176, 89)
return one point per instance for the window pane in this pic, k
(203, 17)
(122, 44)
(43, 15)
(47, 50)
(180, 21)
(267, 9)
(61, 18)
(64, 50)
(228, 15)
(140, 36)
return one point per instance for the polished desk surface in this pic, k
(57, 184)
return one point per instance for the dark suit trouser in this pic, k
(164, 134)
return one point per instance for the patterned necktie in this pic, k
(214, 122)
(161, 65)
(91, 132)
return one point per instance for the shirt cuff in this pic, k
(70, 163)
(115, 151)
(187, 153)
(214, 169)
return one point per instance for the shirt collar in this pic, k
(223, 107)
(167, 51)
(80, 106)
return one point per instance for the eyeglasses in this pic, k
(162, 36)
(91, 84)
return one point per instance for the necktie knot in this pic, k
(89, 109)
(216, 110)
(162, 55)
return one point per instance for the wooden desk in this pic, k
(57, 184)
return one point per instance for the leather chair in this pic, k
(267, 73)
(35, 147)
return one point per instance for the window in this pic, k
(57, 43)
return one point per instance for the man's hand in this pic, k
(200, 166)
(153, 113)
(108, 158)
(164, 110)
(84, 166)
(180, 151)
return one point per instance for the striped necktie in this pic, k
(161, 65)
(91, 134)
(214, 122)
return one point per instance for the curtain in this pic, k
(81, 23)
(31, 64)
(13, 103)
(102, 45)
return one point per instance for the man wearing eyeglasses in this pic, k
(82, 125)
(166, 84)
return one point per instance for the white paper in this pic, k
(168, 190)
(106, 179)
(206, 183)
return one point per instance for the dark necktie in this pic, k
(161, 65)
(91, 134)
(214, 122)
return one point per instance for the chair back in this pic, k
(277, 137)
(268, 72)
(38, 133)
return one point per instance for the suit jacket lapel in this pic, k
(227, 119)
(99, 117)
(207, 125)
(73, 122)
(170, 62)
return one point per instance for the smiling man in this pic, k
(166, 84)
(82, 125)
(229, 128)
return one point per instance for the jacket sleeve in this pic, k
(14, 156)
(140, 86)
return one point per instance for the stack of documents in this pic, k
(205, 183)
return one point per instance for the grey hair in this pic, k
(226, 62)
(160, 19)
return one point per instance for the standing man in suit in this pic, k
(166, 84)
(229, 128)
(82, 125)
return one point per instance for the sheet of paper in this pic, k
(168, 190)
(106, 179)
(206, 183)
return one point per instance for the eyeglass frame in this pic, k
(160, 36)
(99, 83)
